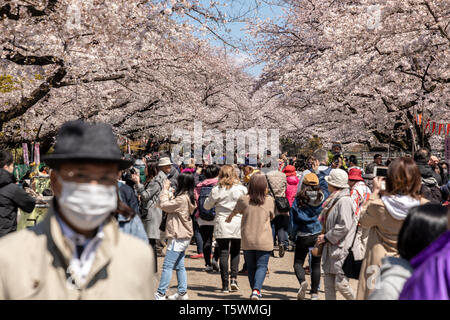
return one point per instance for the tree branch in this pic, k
(96, 79)
(20, 59)
(27, 102)
(5, 10)
(442, 31)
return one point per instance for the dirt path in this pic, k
(280, 284)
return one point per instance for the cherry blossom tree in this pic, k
(127, 63)
(359, 71)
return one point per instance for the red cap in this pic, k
(289, 171)
(355, 174)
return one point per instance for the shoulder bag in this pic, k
(352, 267)
(281, 203)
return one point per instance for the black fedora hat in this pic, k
(79, 140)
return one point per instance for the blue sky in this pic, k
(238, 32)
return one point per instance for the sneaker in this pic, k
(197, 256)
(302, 291)
(272, 254)
(256, 295)
(234, 285)
(209, 268)
(314, 296)
(215, 265)
(179, 296)
(160, 296)
(225, 290)
(281, 251)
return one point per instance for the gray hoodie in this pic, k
(393, 275)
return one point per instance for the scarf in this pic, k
(329, 203)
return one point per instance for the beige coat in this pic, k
(381, 242)
(33, 265)
(340, 228)
(179, 210)
(278, 182)
(256, 231)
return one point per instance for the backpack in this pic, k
(207, 215)
(431, 193)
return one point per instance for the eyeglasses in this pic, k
(80, 177)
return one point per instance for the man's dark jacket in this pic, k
(127, 196)
(430, 183)
(12, 197)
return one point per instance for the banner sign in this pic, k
(26, 158)
(37, 157)
(433, 126)
(447, 149)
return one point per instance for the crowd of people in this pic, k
(388, 230)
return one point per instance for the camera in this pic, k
(127, 175)
(380, 171)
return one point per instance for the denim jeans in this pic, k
(279, 228)
(197, 236)
(174, 260)
(257, 262)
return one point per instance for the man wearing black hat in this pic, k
(77, 252)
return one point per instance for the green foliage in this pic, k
(7, 83)
(314, 143)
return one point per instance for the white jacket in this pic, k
(224, 200)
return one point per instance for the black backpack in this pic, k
(431, 193)
(207, 215)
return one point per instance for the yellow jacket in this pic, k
(247, 177)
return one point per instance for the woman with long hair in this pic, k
(305, 227)
(223, 198)
(383, 215)
(179, 233)
(206, 224)
(257, 209)
(149, 193)
(423, 225)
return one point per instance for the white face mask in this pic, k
(86, 205)
(312, 195)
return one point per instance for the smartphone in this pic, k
(380, 171)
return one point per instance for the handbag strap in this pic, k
(354, 238)
(270, 187)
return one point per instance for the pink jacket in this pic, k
(199, 186)
(291, 189)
